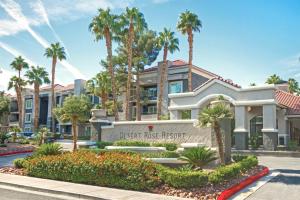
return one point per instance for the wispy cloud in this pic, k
(15, 11)
(160, 1)
(292, 65)
(4, 78)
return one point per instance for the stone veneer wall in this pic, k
(178, 131)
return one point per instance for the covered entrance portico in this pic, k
(247, 104)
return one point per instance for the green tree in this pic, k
(105, 26)
(4, 108)
(100, 86)
(19, 64)
(18, 84)
(15, 130)
(75, 109)
(274, 79)
(252, 84)
(55, 52)
(133, 21)
(293, 86)
(187, 24)
(36, 77)
(212, 116)
(170, 44)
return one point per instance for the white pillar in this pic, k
(270, 132)
(195, 113)
(175, 114)
(241, 127)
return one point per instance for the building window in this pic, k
(151, 93)
(175, 87)
(28, 118)
(152, 109)
(27, 129)
(28, 104)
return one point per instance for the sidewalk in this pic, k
(79, 191)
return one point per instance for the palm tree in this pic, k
(18, 84)
(134, 21)
(100, 86)
(55, 51)
(187, 24)
(274, 79)
(105, 26)
(19, 64)
(169, 43)
(293, 86)
(212, 116)
(36, 77)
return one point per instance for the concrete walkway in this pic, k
(72, 190)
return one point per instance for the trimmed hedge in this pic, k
(238, 157)
(131, 143)
(112, 169)
(165, 154)
(103, 144)
(170, 146)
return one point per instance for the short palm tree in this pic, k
(105, 26)
(187, 24)
(19, 64)
(212, 116)
(100, 86)
(293, 86)
(170, 44)
(18, 84)
(198, 157)
(274, 79)
(134, 21)
(56, 52)
(36, 77)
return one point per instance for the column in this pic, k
(270, 132)
(175, 114)
(241, 129)
(195, 113)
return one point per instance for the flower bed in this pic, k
(15, 148)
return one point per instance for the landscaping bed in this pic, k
(12, 148)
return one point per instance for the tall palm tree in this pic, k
(36, 77)
(19, 64)
(212, 116)
(170, 44)
(100, 86)
(105, 26)
(274, 79)
(134, 21)
(18, 84)
(187, 24)
(293, 86)
(55, 51)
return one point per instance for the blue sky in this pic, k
(243, 40)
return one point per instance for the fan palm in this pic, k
(36, 77)
(212, 116)
(187, 24)
(169, 43)
(56, 52)
(274, 79)
(198, 157)
(18, 84)
(134, 21)
(293, 86)
(19, 64)
(105, 26)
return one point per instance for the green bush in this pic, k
(292, 145)
(24, 141)
(103, 144)
(3, 145)
(112, 169)
(166, 154)
(183, 178)
(170, 146)
(254, 141)
(238, 157)
(131, 143)
(20, 163)
(49, 149)
(3, 137)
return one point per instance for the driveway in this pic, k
(8, 160)
(285, 186)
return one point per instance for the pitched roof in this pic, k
(291, 101)
(227, 81)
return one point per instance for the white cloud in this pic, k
(4, 79)
(160, 1)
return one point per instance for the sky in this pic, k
(242, 40)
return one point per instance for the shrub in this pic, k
(183, 178)
(238, 157)
(292, 145)
(20, 163)
(254, 141)
(3, 137)
(3, 145)
(170, 146)
(103, 144)
(131, 143)
(49, 149)
(24, 141)
(198, 156)
(112, 169)
(166, 154)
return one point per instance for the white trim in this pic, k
(239, 130)
(261, 87)
(31, 102)
(292, 116)
(26, 117)
(255, 102)
(269, 130)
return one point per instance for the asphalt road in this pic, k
(285, 186)
(8, 160)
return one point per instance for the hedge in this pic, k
(170, 146)
(112, 169)
(103, 144)
(165, 154)
(131, 143)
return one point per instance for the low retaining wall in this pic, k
(178, 131)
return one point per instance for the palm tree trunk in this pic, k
(128, 87)
(217, 130)
(36, 105)
(103, 99)
(20, 106)
(138, 97)
(54, 59)
(74, 133)
(161, 83)
(190, 40)
(111, 72)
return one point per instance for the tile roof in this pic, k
(291, 101)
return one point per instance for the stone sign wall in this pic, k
(179, 131)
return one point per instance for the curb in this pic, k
(15, 152)
(234, 189)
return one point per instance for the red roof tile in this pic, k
(292, 102)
